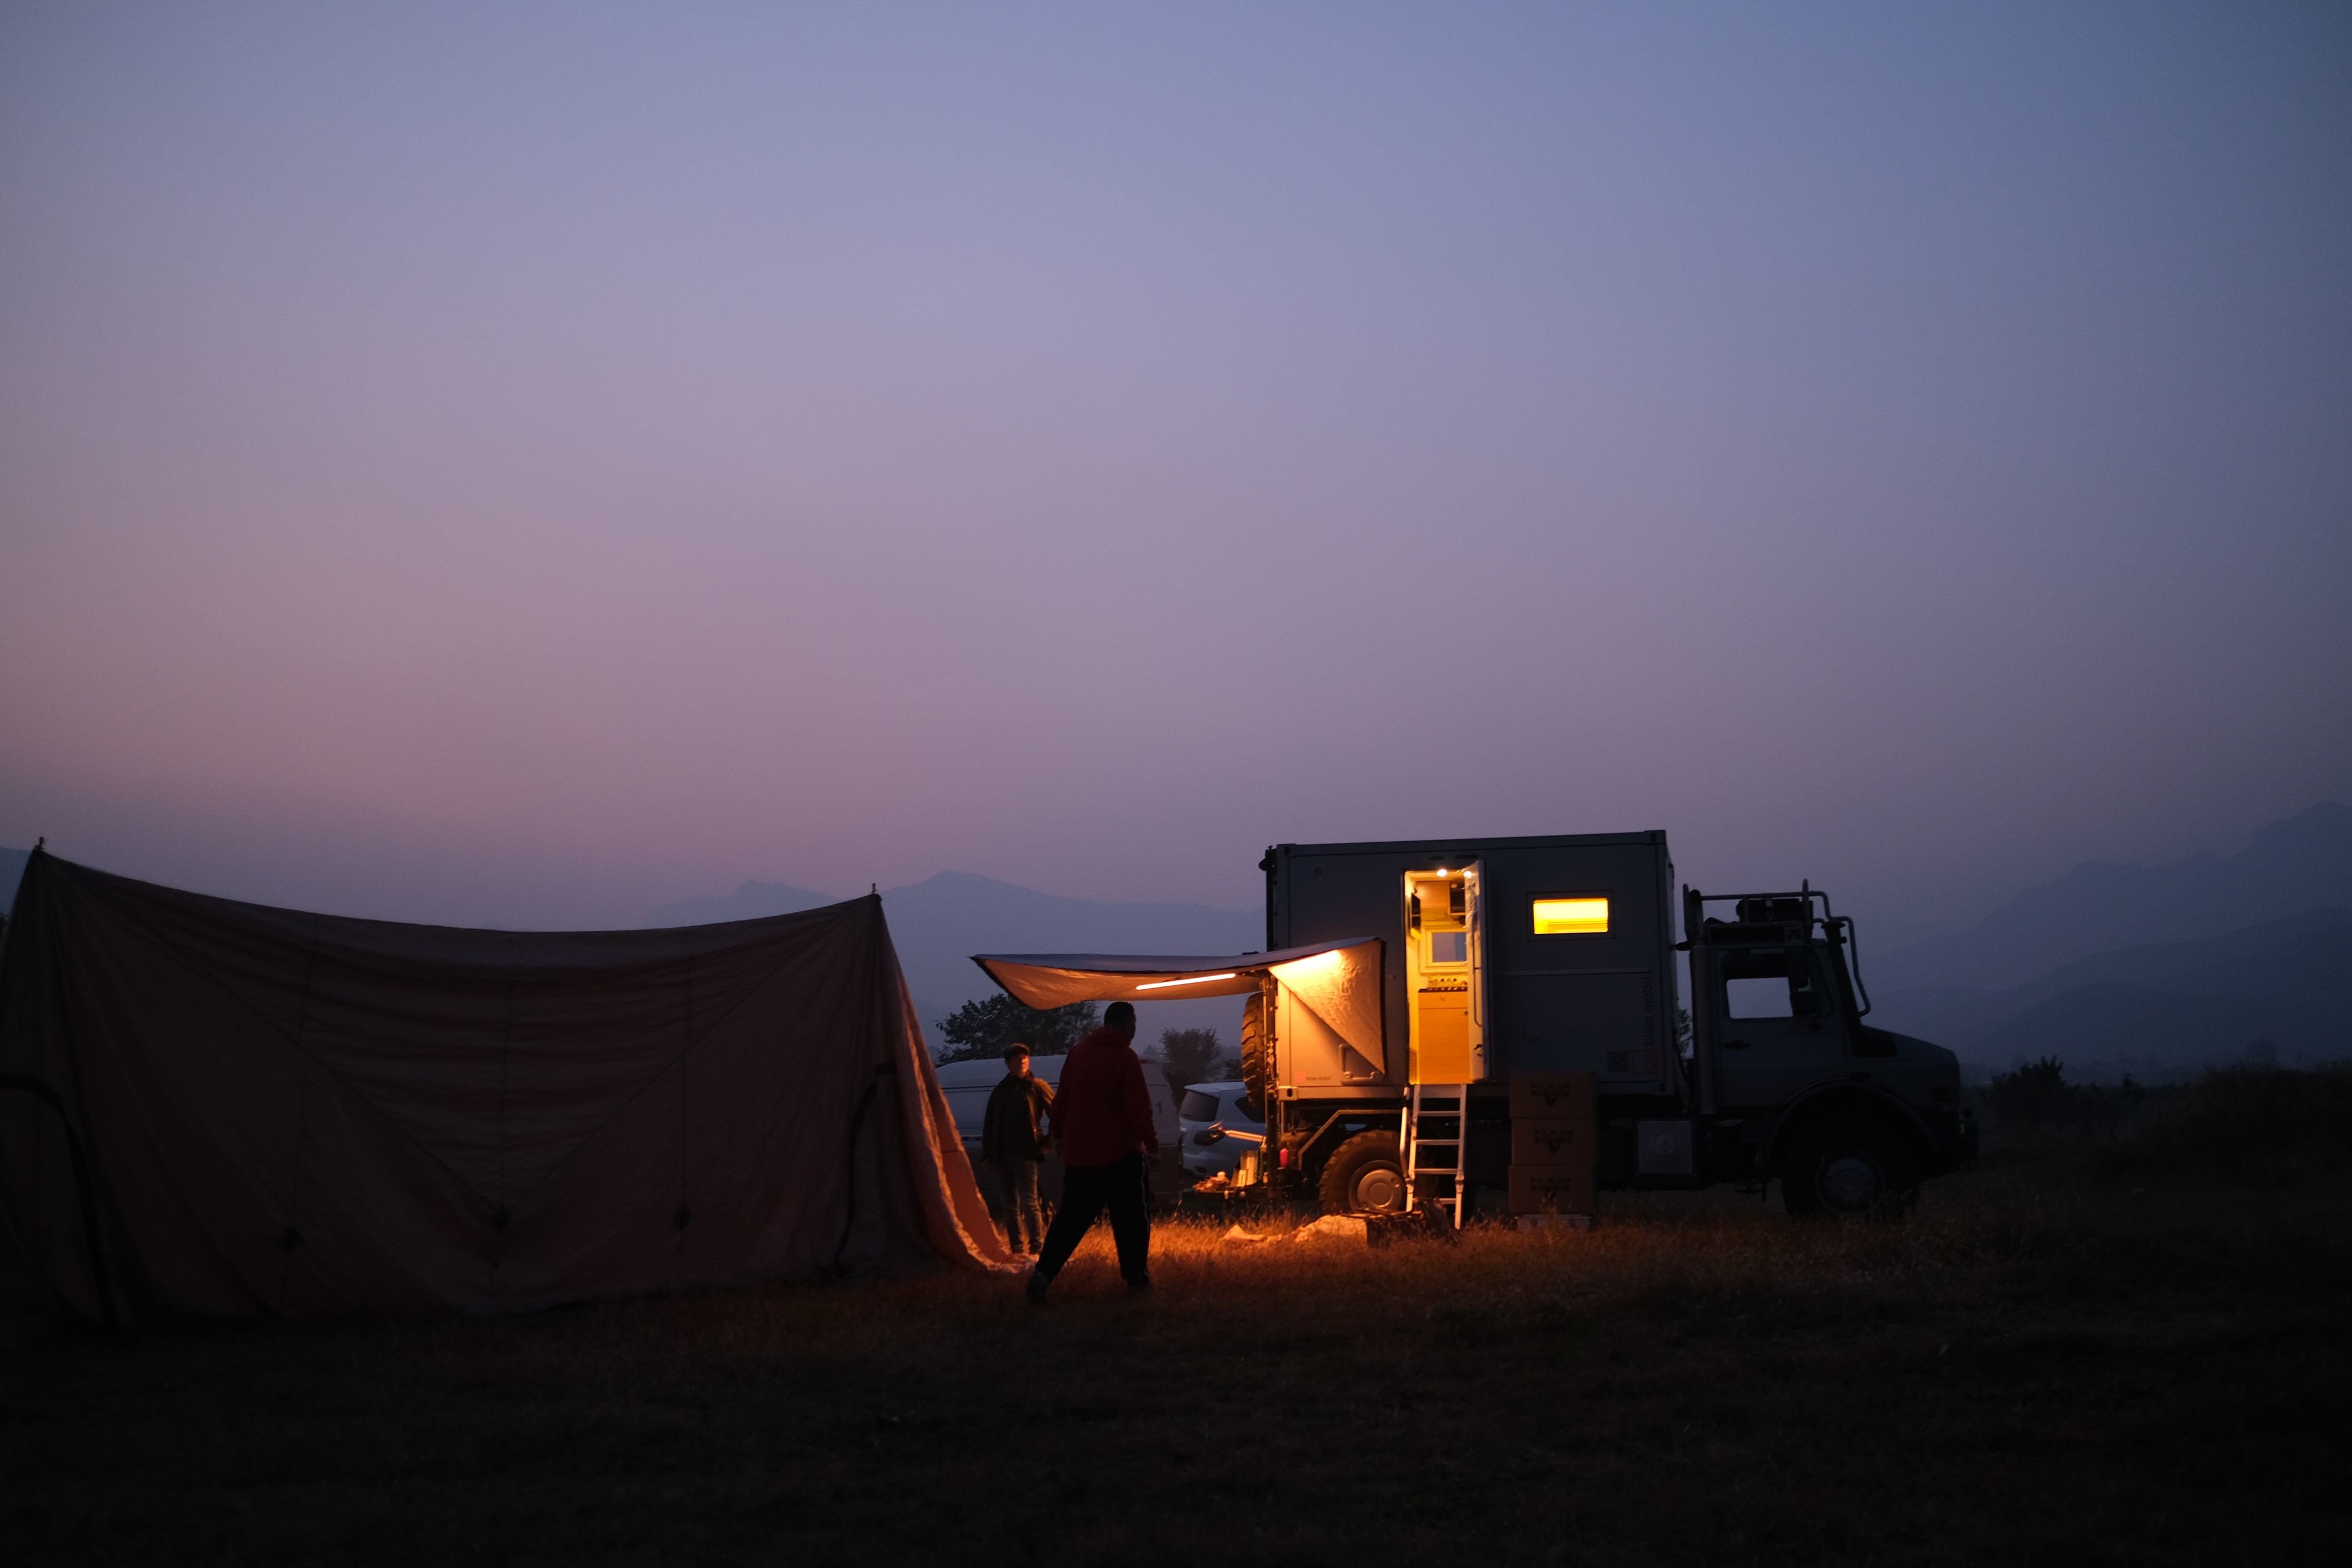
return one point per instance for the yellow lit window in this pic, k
(1572, 916)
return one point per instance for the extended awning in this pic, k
(1339, 981)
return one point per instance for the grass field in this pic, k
(2069, 1355)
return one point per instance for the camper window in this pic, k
(1572, 916)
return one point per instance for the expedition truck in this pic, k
(1405, 988)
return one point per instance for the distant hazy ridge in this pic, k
(2155, 970)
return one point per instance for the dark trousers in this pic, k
(1087, 1191)
(1024, 1220)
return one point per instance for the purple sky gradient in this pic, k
(529, 469)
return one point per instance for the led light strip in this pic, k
(1193, 980)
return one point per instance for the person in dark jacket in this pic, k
(1102, 1119)
(1012, 1140)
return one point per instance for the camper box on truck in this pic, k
(1549, 954)
(1510, 960)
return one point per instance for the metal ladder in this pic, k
(1417, 1110)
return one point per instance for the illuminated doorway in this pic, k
(1445, 974)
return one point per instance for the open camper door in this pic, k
(1445, 973)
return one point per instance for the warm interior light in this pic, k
(1188, 980)
(1572, 916)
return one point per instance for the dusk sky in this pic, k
(527, 464)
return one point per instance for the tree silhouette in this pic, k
(984, 1028)
(1190, 1056)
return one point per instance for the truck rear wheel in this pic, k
(1257, 1054)
(1850, 1166)
(1364, 1175)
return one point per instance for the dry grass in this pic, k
(2049, 1362)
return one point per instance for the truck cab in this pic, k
(1789, 1080)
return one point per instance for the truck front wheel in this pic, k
(1364, 1175)
(1849, 1165)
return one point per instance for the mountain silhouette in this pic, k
(2151, 969)
(2159, 1010)
(2288, 869)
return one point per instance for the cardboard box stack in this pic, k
(1555, 1133)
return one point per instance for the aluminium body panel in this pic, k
(1594, 1001)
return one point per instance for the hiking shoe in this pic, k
(1138, 1287)
(1036, 1289)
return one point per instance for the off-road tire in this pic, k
(1851, 1167)
(1364, 1175)
(1257, 1054)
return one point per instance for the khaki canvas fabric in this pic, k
(1339, 982)
(304, 1116)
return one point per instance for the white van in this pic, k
(967, 1085)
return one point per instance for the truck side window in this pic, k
(1756, 997)
(1774, 983)
(1756, 984)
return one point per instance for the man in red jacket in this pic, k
(1102, 1119)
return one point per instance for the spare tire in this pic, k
(1257, 1054)
(1364, 1175)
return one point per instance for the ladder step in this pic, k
(1435, 1123)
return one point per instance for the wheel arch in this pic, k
(1844, 1100)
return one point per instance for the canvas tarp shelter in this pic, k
(305, 1116)
(1339, 982)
